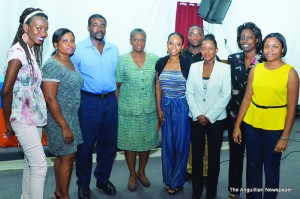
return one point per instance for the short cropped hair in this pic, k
(137, 30)
(96, 16)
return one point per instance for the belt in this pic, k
(266, 107)
(103, 95)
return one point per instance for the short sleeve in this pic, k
(17, 52)
(50, 72)
(230, 59)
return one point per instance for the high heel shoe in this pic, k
(174, 190)
(143, 180)
(55, 196)
(132, 185)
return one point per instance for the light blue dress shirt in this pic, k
(98, 70)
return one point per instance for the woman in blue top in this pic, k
(172, 109)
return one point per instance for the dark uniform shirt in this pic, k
(194, 58)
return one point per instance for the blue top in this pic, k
(172, 84)
(98, 70)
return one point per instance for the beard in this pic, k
(97, 37)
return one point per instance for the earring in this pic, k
(25, 37)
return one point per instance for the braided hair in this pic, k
(38, 49)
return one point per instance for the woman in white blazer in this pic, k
(208, 91)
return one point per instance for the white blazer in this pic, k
(212, 104)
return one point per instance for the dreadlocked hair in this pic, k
(37, 49)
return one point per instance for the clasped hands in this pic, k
(203, 120)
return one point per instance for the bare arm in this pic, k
(158, 91)
(50, 92)
(118, 89)
(237, 136)
(12, 71)
(292, 101)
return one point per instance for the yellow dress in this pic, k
(269, 89)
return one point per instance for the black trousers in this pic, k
(214, 134)
(236, 159)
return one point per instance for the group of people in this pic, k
(90, 99)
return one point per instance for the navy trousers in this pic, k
(260, 146)
(98, 119)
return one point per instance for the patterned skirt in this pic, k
(137, 132)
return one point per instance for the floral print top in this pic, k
(239, 77)
(28, 104)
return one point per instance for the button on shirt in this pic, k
(98, 70)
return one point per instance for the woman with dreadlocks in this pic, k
(22, 98)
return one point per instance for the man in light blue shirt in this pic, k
(98, 113)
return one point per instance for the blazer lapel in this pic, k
(199, 75)
(213, 78)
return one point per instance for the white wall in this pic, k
(156, 17)
(269, 16)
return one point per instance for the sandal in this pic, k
(174, 190)
(167, 188)
(55, 196)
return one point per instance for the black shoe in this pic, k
(107, 188)
(188, 176)
(196, 197)
(83, 193)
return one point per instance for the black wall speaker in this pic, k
(214, 11)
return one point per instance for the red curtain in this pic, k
(186, 16)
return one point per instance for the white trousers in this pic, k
(35, 167)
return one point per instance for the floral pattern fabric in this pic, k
(239, 77)
(28, 104)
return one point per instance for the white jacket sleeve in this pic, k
(190, 93)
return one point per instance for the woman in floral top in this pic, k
(22, 98)
(249, 40)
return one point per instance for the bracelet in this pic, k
(284, 138)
